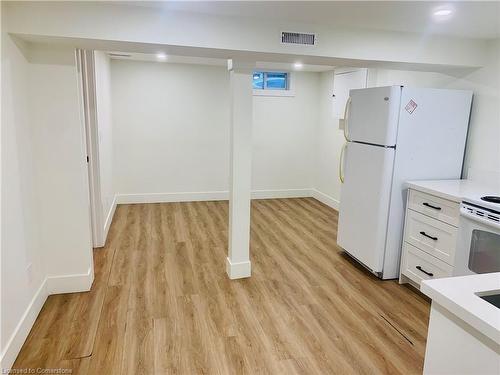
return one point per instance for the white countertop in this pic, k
(458, 295)
(454, 190)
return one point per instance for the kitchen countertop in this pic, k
(454, 190)
(458, 295)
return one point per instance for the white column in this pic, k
(238, 260)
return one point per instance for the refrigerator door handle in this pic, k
(341, 163)
(346, 116)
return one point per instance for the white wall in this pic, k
(45, 218)
(61, 167)
(105, 135)
(328, 143)
(283, 136)
(20, 234)
(171, 127)
(171, 130)
(483, 149)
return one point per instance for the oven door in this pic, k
(478, 249)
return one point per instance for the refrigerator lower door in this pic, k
(364, 203)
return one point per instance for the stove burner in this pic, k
(491, 199)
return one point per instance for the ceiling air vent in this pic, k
(306, 39)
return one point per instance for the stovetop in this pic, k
(491, 202)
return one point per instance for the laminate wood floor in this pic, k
(161, 302)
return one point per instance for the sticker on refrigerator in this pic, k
(411, 106)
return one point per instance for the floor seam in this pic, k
(396, 329)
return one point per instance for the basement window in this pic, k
(271, 83)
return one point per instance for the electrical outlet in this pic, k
(29, 272)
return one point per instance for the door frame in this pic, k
(87, 91)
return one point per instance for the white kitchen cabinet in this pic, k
(434, 206)
(433, 236)
(418, 265)
(343, 81)
(429, 239)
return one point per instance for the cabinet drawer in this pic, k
(418, 265)
(432, 236)
(438, 208)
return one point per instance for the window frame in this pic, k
(288, 92)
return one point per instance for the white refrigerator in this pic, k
(394, 134)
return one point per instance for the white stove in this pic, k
(478, 249)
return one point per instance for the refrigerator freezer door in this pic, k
(364, 203)
(373, 115)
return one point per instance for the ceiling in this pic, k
(474, 19)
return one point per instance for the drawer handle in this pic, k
(431, 206)
(424, 271)
(426, 235)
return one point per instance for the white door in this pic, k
(364, 202)
(343, 82)
(373, 115)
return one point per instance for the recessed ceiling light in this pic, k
(161, 56)
(298, 65)
(442, 13)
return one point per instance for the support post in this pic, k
(238, 260)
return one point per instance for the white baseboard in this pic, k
(238, 270)
(70, 283)
(206, 196)
(172, 197)
(51, 285)
(109, 219)
(326, 199)
(23, 328)
(284, 193)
